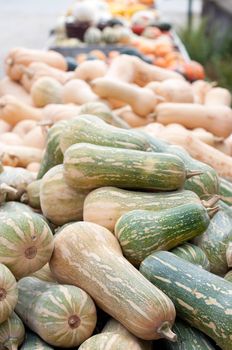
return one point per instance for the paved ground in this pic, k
(27, 22)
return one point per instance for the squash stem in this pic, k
(211, 202)
(166, 332)
(212, 211)
(4, 188)
(229, 255)
(24, 198)
(191, 173)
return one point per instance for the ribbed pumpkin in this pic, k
(12, 333)
(33, 342)
(92, 36)
(89, 256)
(32, 194)
(61, 315)
(8, 293)
(14, 207)
(111, 341)
(60, 203)
(26, 242)
(44, 274)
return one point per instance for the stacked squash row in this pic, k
(107, 205)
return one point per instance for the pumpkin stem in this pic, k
(11, 344)
(191, 173)
(4, 188)
(211, 202)
(74, 321)
(212, 211)
(166, 332)
(229, 255)
(24, 198)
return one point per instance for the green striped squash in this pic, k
(44, 274)
(88, 166)
(60, 203)
(193, 254)
(225, 191)
(12, 333)
(201, 298)
(26, 242)
(188, 338)
(89, 256)
(33, 342)
(8, 293)
(216, 242)
(91, 129)
(113, 326)
(61, 315)
(228, 276)
(53, 154)
(141, 232)
(105, 205)
(110, 341)
(32, 194)
(204, 185)
(102, 111)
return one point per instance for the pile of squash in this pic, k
(115, 207)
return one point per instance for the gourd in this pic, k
(24, 127)
(193, 254)
(9, 138)
(60, 203)
(18, 178)
(196, 294)
(200, 89)
(101, 110)
(113, 326)
(141, 232)
(225, 191)
(12, 333)
(77, 91)
(53, 154)
(36, 70)
(46, 90)
(32, 341)
(15, 207)
(8, 293)
(19, 156)
(9, 87)
(89, 166)
(188, 338)
(110, 35)
(142, 100)
(19, 56)
(116, 286)
(173, 90)
(128, 116)
(32, 194)
(44, 274)
(35, 138)
(13, 110)
(228, 276)
(89, 70)
(62, 315)
(216, 119)
(4, 127)
(113, 341)
(216, 242)
(26, 242)
(105, 205)
(90, 129)
(92, 36)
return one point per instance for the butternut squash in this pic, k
(35, 138)
(216, 119)
(57, 112)
(218, 96)
(142, 100)
(173, 90)
(19, 155)
(132, 69)
(23, 127)
(78, 91)
(19, 56)
(46, 90)
(200, 89)
(132, 119)
(90, 70)
(9, 138)
(9, 87)
(4, 126)
(33, 167)
(12, 110)
(37, 70)
(89, 256)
